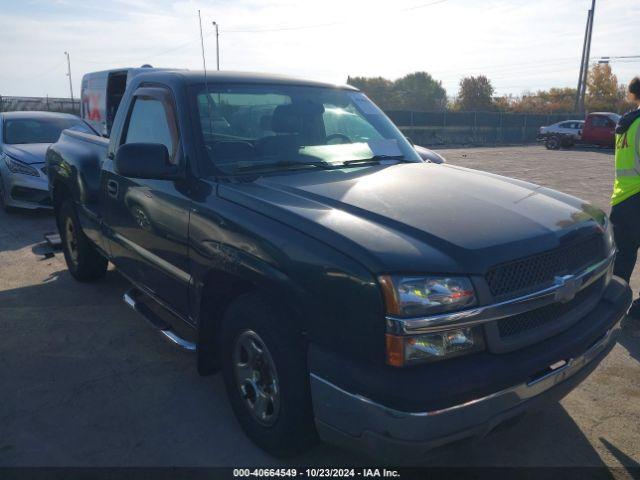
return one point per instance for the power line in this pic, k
(504, 69)
(327, 24)
(618, 57)
(146, 57)
(43, 73)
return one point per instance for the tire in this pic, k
(84, 262)
(553, 143)
(287, 428)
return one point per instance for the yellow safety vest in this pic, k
(627, 181)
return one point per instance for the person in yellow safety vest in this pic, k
(625, 201)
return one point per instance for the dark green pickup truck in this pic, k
(289, 234)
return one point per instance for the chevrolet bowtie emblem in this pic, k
(568, 286)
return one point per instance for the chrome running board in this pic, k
(132, 299)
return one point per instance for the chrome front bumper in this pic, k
(356, 422)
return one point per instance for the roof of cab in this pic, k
(213, 77)
(35, 114)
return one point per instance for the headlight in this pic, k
(420, 296)
(16, 166)
(608, 234)
(434, 346)
(409, 296)
(610, 245)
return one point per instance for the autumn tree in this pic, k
(554, 100)
(602, 89)
(624, 105)
(505, 103)
(475, 94)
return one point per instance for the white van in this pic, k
(101, 94)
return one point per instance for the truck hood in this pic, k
(29, 153)
(421, 217)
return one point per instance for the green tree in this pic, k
(475, 94)
(378, 89)
(419, 91)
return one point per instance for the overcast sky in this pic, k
(519, 44)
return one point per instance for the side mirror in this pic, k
(144, 160)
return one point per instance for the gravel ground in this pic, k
(85, 381)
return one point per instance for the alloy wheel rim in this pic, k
(256, 377)
(71, 240)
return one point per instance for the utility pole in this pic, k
(584, 64)
(584, 50)
(217, 46)
(69, 75)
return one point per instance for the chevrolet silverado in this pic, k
(288, 234)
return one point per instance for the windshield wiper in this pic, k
(280, 164)
(376, 159)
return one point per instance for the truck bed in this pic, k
(75, 164)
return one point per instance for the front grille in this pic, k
(517, 324)
(537, 270)
(25, 194)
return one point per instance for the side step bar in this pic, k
(133, 299)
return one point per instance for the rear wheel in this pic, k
(83, 260)
(265, 373)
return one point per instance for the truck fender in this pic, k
(230, 273)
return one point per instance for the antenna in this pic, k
(204, 65)
(204, 61)
(215, 24)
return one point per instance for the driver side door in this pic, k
(149, 218)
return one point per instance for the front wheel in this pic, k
(265, 372)
(83, 260)
(553, 143)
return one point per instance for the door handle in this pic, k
(112, 188)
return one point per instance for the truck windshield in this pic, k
(278, 127)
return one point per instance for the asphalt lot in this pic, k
(84, 381)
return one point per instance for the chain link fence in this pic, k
(472, 128)
(46, 104)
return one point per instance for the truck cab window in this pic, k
(153, 121)
(600, 121)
